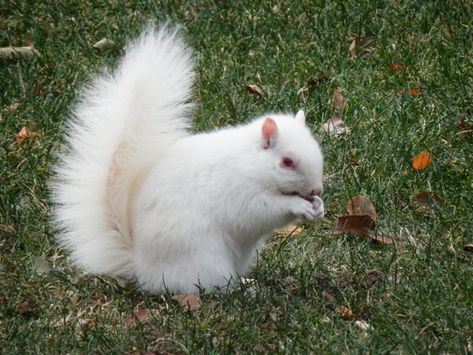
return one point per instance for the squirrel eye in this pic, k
(288, 163)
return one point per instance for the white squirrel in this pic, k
(138, 196)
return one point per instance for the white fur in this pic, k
(139, 197)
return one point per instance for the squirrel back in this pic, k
(122, 123)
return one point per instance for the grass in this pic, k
(419, 298)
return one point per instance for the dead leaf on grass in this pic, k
(468, 247)
(422, 160)
(359, 225)
(13, 107)
(381, 239)
(104, 44)
(24, 134)
(372, 277)
(464, 128)
(363, 325)
(426, 199)
(397, 67)
(40, 265)
(361, 205)
(361, 45)
(345, 312)
(291, 229)
(190, 301)
(338, 100)
(255, 89)
(335, 126)
(7, 230)
(415, 91)
(140, 316)
(17, 52)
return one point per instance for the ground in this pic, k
(405, 71)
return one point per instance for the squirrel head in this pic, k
(291, 154)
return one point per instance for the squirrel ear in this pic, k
(300, 116)
(269, 132)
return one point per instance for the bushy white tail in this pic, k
(122, 123)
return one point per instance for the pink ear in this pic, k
(269, 131)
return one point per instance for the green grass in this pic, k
(423, 300)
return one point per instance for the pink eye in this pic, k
(288, 163)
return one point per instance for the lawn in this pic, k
(405, 71)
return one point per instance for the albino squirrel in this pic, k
(137, 196)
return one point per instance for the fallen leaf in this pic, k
(345, 312)
(7, 230)
(363, 325)
(361, 205)
(255, 89)
(329, 298)
(397, 67)
(422, 160)
(104, 44)
(24, 134)
(372, 277)
(28, 42)
(426, 199)
(291, 229)
(464, 128)
(381, 239)
(17, 52)
(415, 91)
(13, 107)
(361, 45)
(338, 100)
(190, 301)
(360, 225)
(335, 126)
(140, 316)
(352, 49)
(468, 247)
(40, 266)
(25, 308)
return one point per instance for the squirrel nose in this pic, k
(317, 191)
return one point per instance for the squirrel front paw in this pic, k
(318, 205)
(311, 210)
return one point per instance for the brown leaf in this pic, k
(7, 230)
(345, 312)
(104, 44)
(335, 126)
(13, 107)
(25, 307)
(361, 45)
(361, 205)
(24, 134)
(352, 49)
(372, 277)
(426, 199)
(422, 160)
(339, 101)
(464, 128)
(357, 225)
(329, 298)
(397, 67)
(255, 89)
(291, 229)
(382, 239)
(140, 316)
(468, 247)
(415, 91)
(17, 52)
(191, 301)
